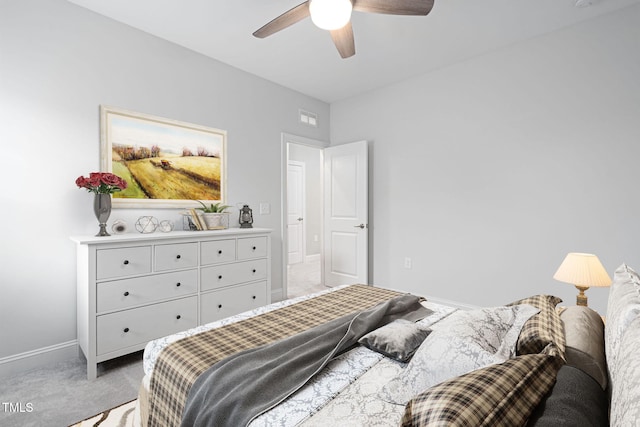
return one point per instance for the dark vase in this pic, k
(102, 209)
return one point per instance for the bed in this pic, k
(365, 356)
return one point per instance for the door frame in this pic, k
(286, 139)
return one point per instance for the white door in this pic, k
(295, 211)
(346, 214)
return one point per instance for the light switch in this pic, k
(265, 208)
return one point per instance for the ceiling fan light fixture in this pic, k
(330, 14)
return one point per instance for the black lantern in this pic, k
(246, 217)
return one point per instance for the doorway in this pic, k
(304, 219)
(330, 237)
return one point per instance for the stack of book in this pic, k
(196, 220)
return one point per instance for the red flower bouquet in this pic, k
(101, 183)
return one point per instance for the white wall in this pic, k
(488, 172)
(59, 62)
(313, 197)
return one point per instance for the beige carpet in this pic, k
(303, 279)
(60, 393)
(120, 416)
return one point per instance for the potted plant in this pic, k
(214, 215)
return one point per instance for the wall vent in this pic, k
(308, 118)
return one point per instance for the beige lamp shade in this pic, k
(583, 271)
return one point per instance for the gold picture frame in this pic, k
(166, 163)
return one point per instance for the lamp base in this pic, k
(581, 298)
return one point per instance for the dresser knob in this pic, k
(178, 257)
(126, 330)
(219, 305)
(178, 317)
(254, 297)
(254, 270)
(220, 252)
(178, 284)
(254, 248)
(126, 294)
(126, 261)
(219, 277)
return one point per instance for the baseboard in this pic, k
(277, 295)
(22, 362)
(312, 258)
(450, 303)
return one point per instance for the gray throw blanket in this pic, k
(236, 390)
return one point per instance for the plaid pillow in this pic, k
(543, 333)
(505, 394)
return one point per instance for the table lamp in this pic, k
(583, 271)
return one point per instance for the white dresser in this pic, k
(133, 288)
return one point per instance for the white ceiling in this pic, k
(388, 48)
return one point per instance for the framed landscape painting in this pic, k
(166, 163)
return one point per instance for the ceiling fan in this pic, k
(335, 16)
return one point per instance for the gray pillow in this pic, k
(397, 340)
(584, 346)
(575, 400)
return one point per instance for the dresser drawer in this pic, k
(217, 251)
(122, 262)
(125, 293)
(175, 256)
(252, 247)
(230, 274)
(223, 303)
(140, 325)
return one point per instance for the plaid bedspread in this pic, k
(180, 364)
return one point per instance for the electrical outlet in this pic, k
(407, 262)
(315, 238)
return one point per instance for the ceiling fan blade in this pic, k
(285, 20)
(394, 7)
(343, 39)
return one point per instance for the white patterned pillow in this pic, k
(463, 342)
(625, 389)
(622, 308)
